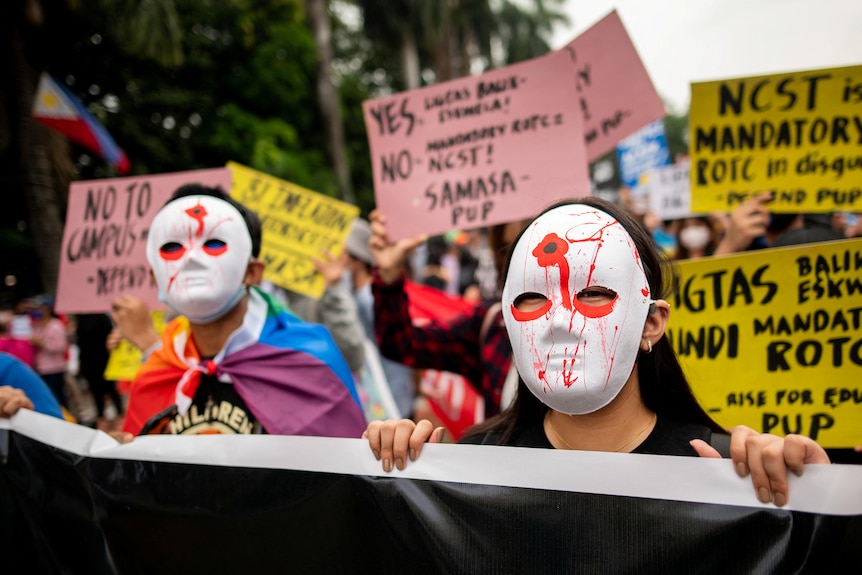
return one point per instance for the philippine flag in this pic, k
(58, 108)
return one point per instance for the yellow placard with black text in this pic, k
(298, 226)
(797, 135)
(771, 339)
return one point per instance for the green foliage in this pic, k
(310, 169)
(353, 92)
(197, 84)
(499, 32)
(148, 28)
(676, 132)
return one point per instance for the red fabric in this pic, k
(76, 130)
(150, 395)
(155, 386)
(453, 400)
(190, 387)
(442, 332)
(428, 303)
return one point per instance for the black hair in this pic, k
(663, 385)
(251, 219)
(499, 249)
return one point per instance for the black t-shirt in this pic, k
(216, 409)
(667, 438)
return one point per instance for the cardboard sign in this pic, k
(643, 150)
(104, 251)
(669, 191)
(298, 225)
(614, 91)
(796, 134)
(771, 339)
(373, 389)
(478, 151)
(453, 400)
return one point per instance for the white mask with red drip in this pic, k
(575, 355)
(199, 248)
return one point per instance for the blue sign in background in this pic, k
(645, 149)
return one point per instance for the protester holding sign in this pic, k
(584, 309)
(746, 226)
(134, 323)
(234, 361)
(471, 344)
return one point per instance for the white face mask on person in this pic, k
(199, 248)
(694, 237)
(574, 303)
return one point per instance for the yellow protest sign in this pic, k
(125, 359)
(798, 135)
(771, 339)
(298, 225)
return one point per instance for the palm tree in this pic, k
(526, 33)
(450, 36)
(401, 24)
(330, 104)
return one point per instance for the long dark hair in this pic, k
(663, 385)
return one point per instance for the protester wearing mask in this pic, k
(585, 310)
(695, 238)
(234, 361)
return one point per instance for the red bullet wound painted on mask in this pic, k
(550, 252)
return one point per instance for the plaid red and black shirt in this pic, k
(451, 346)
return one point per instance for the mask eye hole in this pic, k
(595, 296)
(529, 301)
(595, 301)
(530, 306)
(172, 251)
(215, 247)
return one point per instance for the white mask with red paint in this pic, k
(576, 348)
(199, 248)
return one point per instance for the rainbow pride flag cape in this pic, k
(289, 373)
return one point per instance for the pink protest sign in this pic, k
(614, 90)
(478, 151)
(104, 241)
